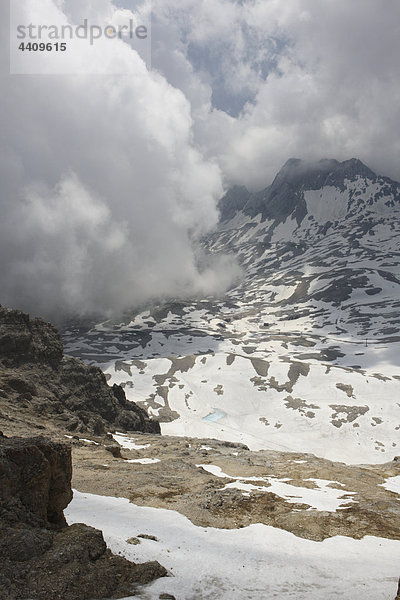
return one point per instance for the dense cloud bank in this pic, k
(299, 78)
(108, 182)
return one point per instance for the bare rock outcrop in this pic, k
(37, 378)
(23, 339)
(40, 556)
(35, 481)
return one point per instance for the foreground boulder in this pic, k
(40, 556)
(35, 376)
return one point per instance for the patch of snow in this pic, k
(392, 484)
(144, 461)
(259, 562)
(129, 443)
(322, 498)
(328, 204)
(71, 437)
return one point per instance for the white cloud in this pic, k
(322, 78)
(104, 193)
(108, 181)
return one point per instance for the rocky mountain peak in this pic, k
(350, 187)
(317, 174)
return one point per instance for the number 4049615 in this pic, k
(42, 47)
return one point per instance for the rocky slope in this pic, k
(207, 480)
(36, 380)
(41, 557)
(224, 485)
(42, 391)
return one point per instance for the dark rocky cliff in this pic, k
(36, 377)
(35, 481)
(40, 556)
(285, 196)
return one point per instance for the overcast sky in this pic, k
(108, 181)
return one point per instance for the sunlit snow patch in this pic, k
(322, 498)
(71, 437)
(128, 443)
(144, 461)
(259, 562)
(392, 484)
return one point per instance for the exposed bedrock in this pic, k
(36, 376)
(41, 557)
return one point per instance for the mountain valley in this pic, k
(278, 403)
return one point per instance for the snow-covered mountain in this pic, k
(322, 244)
(302, 354)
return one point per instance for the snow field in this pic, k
(253, 563)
